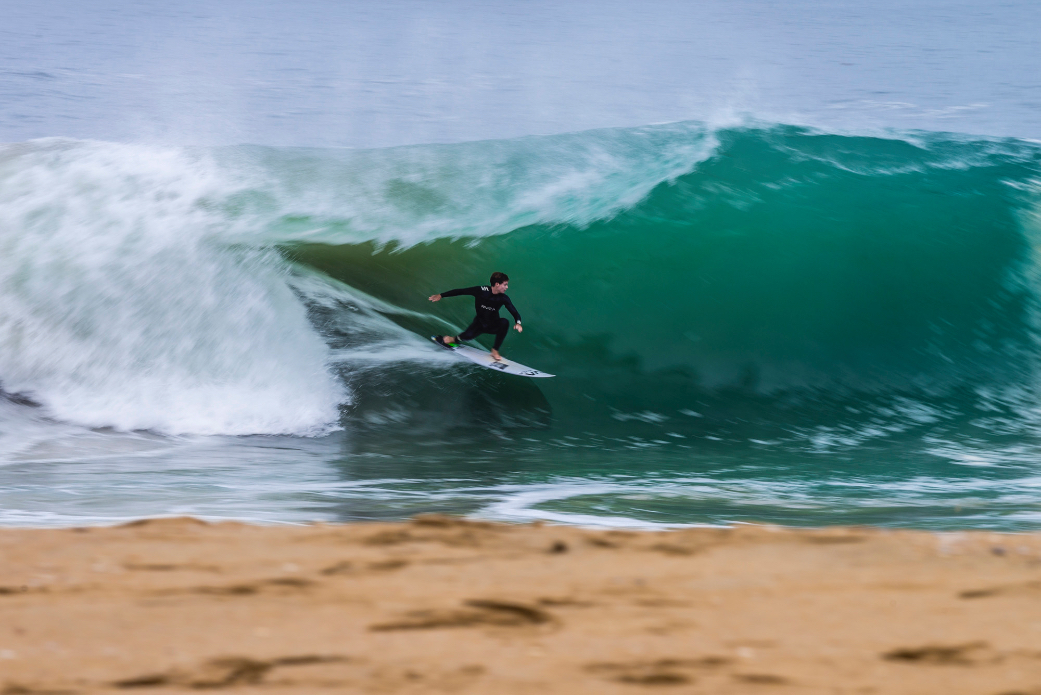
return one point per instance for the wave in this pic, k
(661, 270)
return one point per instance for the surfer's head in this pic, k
(499, 282)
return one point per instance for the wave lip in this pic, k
(410, 195)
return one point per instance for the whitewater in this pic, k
(781, 315)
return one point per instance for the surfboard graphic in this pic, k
(486, 360)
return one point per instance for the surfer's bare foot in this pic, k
(448, 339)
(496, 356)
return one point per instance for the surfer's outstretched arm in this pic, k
(472, 291)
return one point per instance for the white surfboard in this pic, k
(485, 359)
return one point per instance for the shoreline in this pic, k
(443, 604)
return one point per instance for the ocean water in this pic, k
(764, 303)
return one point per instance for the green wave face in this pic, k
(788, 267)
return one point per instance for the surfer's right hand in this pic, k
(435, 297)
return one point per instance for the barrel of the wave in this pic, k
(838, 269)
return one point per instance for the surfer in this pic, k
(487, 301)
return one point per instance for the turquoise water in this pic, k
(782, 259)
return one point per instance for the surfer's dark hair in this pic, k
(498, 277)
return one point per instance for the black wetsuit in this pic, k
(487, 306)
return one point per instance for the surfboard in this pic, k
(486, 360)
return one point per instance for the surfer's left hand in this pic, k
(517, 327)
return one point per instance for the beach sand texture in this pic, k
(442, 605)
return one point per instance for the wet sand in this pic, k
(441, 605)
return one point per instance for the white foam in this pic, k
(521, 506)
(123, 305)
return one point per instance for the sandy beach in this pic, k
(446, 605)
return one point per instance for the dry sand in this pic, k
(442, 606)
